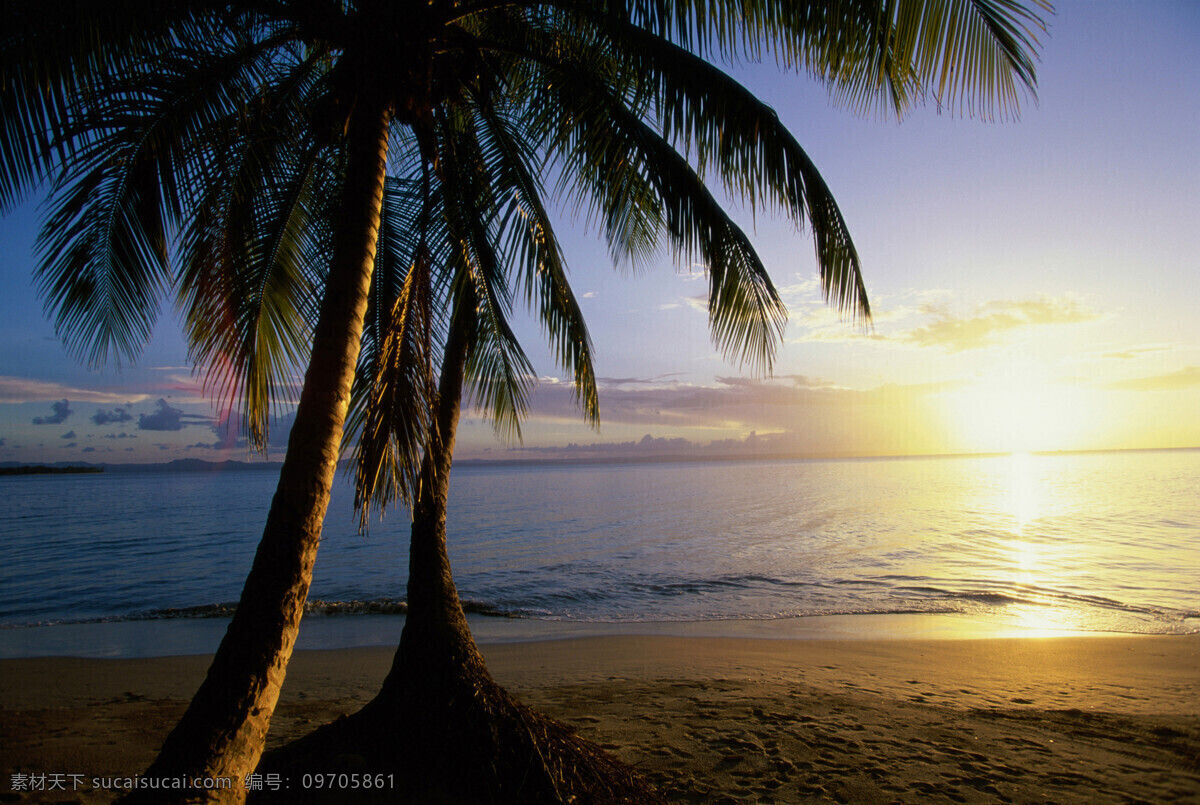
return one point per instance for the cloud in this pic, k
(735, 403)
(230, 430)
(957, 334)
(166, 418)
(102, 417)
(658, 381)
(1187, 377)
(771, 444)
(1133, 352)
(3, 442)
(699, 303)
(797, 381)
(62, 410)
(89, 450)
(808, 382)
(806, 292)
(925, 319)
(69, 435)
(23, 390)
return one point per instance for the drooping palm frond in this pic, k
(532, 249)
(51, 54)
(478, 230)
(498, 370)
(615, 195)
(387, 425)
(253, 253)
(390, 421)
(969, 55)
(134, 140)
(250, 290)
(972, 54)
(708, 114)
(596, 137)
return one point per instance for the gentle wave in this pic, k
(1094, 542)
(1042, 596)
(1161, 621)
(376, 606)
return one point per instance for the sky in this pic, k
(1033, 284)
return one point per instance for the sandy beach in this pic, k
(1064, 719)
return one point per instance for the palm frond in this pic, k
(500, 374)
(103, 262)
(53, 53)
(534, 252)
(968, 54)
(601, 138)
(134, 141)
(250, 269)
(726, 127)
(390, 420)
(387, 426)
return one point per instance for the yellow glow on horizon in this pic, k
(1023, 416)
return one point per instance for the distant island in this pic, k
(178, 465)
(41, 469)
(573, 454)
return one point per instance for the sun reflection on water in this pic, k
(1033, 562)
(1026, 492)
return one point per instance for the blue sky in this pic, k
(1033, 284)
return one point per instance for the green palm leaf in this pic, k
(253, 254)
(603, 140)
(533, 250)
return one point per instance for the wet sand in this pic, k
(1063, 719)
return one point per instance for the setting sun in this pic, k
(1023, 418)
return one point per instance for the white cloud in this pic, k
(1185, 378)
(23, 390)
(925, 319)
(982, 327)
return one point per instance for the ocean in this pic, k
(1097, 542)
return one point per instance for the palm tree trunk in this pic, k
(222, 734)
(436, 642)
(440, 727)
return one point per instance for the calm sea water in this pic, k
(1101, 541)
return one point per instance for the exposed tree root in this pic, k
(468, 742)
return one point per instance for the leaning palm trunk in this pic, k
(440, 725)
(436, 642)
(222, 734)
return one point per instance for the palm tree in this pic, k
(252, 144)
(440, 721)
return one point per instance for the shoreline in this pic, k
(1069, 718)
(138, 639)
